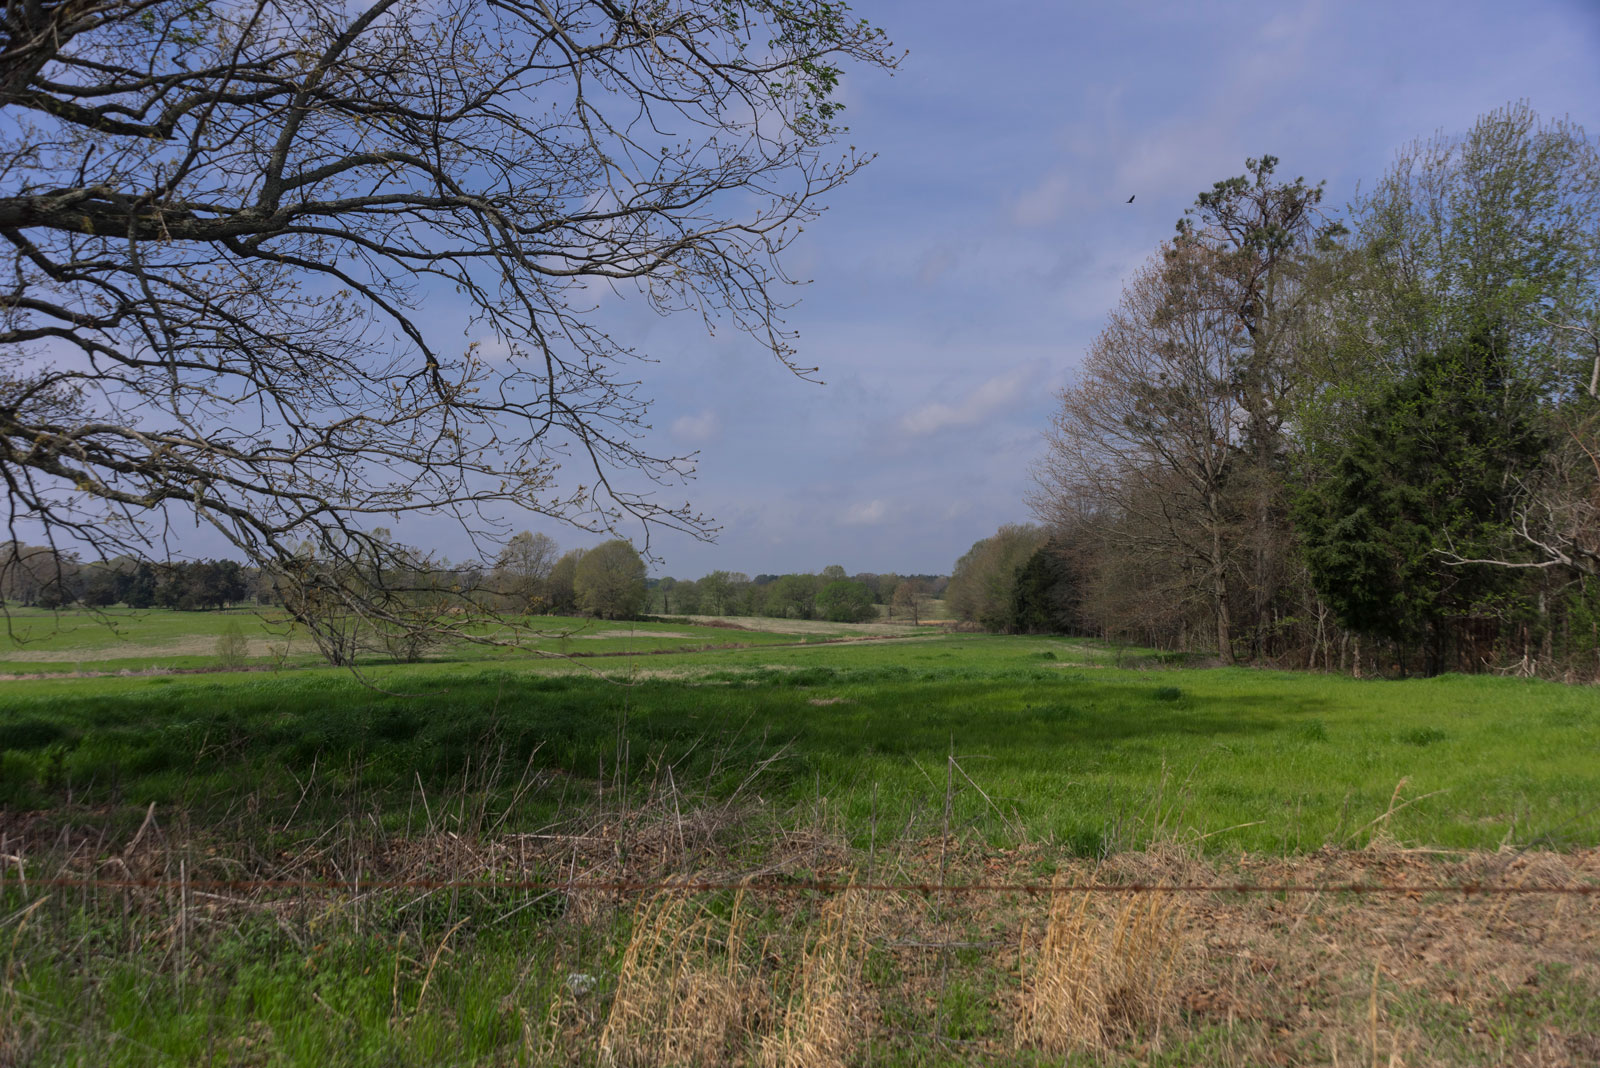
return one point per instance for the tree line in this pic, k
(1364, 440)
(831, 594)
(531, 575)
(37, 576)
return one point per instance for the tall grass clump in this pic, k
(687, 988)
(1100, 976)
(823, 1020)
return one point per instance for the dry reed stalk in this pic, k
(822, 1020)
(1148, 943)
(1093, 981)
(686, 992)
(1063, 998)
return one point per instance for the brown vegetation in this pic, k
(767, 971)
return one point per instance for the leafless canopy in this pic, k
(298, 267)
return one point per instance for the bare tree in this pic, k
(1556, 525)
(239, 229)
(35, 574)
(1151, 433)
(1260, 240)
(523, 567)
(911, 596)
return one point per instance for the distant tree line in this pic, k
(1364, 442)
(1016, 581)
(531, 575)
(831, 594)
(38, 576)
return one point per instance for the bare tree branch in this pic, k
(231, 225)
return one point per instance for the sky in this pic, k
(958, 280)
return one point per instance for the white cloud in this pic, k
(1044, 203)
(701, 426)
(993, 395)
(867, 514)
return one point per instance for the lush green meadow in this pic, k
(1049, 740)
(708, 751)
(1066, 745)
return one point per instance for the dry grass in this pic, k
(631, 632)
(810, 626)
(1459, 979)
(198, 645)
(694, 986)
(1101, 974)
(825, 1018)
(687, 991)
(1424, 980)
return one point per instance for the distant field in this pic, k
(900, 755)
(35, 641)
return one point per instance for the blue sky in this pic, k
(960, 277)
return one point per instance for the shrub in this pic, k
(233, 649)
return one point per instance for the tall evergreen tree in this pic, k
(1045, 597)
(142, 587)
(1432, 475)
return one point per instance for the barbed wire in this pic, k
(827, 886)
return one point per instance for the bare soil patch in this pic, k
(811, 626)
(631, 633)
(197, 645)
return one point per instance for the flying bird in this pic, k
(1130, 199)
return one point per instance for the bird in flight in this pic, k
(1130, 199)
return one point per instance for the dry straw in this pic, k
(823, 1018)
(686, 988)
(1099, 976)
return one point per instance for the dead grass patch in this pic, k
(198, 645)
(809, 626)
(825, 1018)
(1101, 973)
(687, 991)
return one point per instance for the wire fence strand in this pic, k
(807, 885)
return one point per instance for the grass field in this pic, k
(123, 640)
(707, 751)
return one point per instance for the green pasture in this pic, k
(1065, 747)
(1032, 739)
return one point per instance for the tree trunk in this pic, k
(1219, 583)
(1224, 629)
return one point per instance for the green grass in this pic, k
(1099, 758)
(344, 1000)
(1037, 740)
